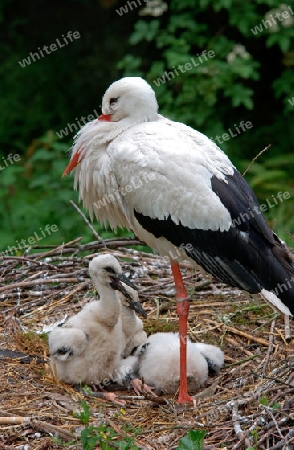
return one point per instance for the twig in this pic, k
(277, 380)
(248, 336)
(255, 158)
(131, 397)
(269, 428)
(270, 347)
(15, 420)
(24, 284)
(173, 427)
(60, 247)
(22, 258)
(274, 420)
(242, 436)
(99, 239)
(237, 363)
(287, 440)
(51, 429)
(287, 328)
(38, 425)
(238, 332)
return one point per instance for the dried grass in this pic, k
(249, 403)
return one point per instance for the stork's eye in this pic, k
(109, 269)
(113, 101)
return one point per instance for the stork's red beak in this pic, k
(72, 164)
(76, 158)
(105, 117)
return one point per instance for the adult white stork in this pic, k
(181, 195)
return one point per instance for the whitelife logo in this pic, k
(271, 21)
(53, 47)
(226, 136)
(129, 6)
(9, 160)
(70, 127)
(168, 75)
(32, 240)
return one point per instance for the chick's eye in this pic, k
(109, 269)
(113, 101)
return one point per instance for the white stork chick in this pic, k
(132, 325)
(213, 355)
(88, 347)
(158, 362)
(181, 195)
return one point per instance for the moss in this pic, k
(160, 325)
(32, 343)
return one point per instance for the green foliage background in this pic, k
(250, 78)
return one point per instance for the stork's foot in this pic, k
(110, 396)
(184, 397)
(113, 398)
(140, 388)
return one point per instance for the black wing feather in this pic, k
(248, 256)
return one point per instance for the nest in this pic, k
(249, 403)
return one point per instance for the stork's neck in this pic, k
(129, 320)
(110, 310)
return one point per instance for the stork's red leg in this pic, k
(183, 310)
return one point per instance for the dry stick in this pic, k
(36, 282)
(173, 427)
(282, 444)
(241, 435)
(38, 425)
(277, 380)
(248, 336)
(255, 158)
(270, 347)
(274, 420)
(288, 336)
(57, 249)
(238, 332)
(99, 239)
(51, 429)
(269, 428)
(22, 258)
(286, 440)
(14, 420)
(90, 246)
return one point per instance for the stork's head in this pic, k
(129, 98)
(105, 270)
(127, 102)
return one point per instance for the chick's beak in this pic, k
(138, 308)
(116, 284)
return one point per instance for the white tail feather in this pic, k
(275, 302)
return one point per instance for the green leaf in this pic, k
(89, 438)
(85, 413)
(263, 401)
(144, 31)
(193, 440)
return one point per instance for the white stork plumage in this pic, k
(158, 362)
(88, 348)
(181, 195)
